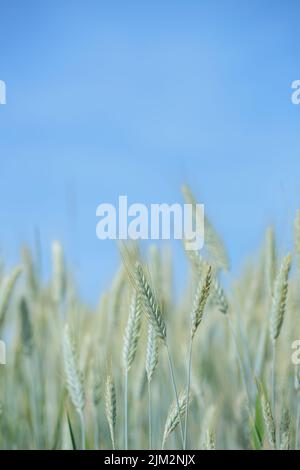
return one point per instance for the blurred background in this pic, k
(137, 98)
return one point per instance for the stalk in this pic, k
(273, 377)
(240, 362)
(82, 426)
(111, 407)
(149, 415)
(151, 363)
(242, 371)
(175, 392)
(188, 392)
(126, 409)
(297, 425)
(96, 431)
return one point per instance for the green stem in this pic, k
(240, 362)
(175, 392)
(82, 425)
(297, 425)
(126, 409)
(273, 377)
(96, 430)
(242, 371)
(149, 415)
(188, 392)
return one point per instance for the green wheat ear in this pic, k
(132, 331)
(210, 440)
(74, 377)
(200, 266)
(285, 430)
(213, 242)
(279, 298)
(150, 303)
(267, 414)
(173, 418)
(152, 353)
(111, 407)
(200, 301)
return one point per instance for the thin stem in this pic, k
(96, 430)
(260, 351)
(188, 392)
(297, 425)
(126, 409)
(175, 392)
(273, 377)
(149, 415)
(82, 425)
(242, 371)
(240, 362)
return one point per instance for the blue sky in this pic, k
(108, 98)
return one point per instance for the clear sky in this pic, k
(137, 97)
